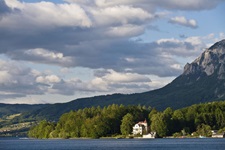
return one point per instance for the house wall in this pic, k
(140, 128)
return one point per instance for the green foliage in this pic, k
(10, 109)
(187, 120)
(93, 122)
(178, 119)
(152, 112)
(222, 130)
(42, 130)
(115, 119)
(204, 130)
(127, 124)
(159, 124)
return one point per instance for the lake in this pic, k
(112, 144)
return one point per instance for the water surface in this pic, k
(112, 144)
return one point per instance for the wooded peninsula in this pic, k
(118, 120)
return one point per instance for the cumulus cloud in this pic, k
(125, 31)
(48, 79)
(17, 81)
(110, 80)
(188, 47)
(105, 81)
(45, 14)
(181, 20)
(94, 34)
(22, 81)
(112, 76)
(120, 15)
(123, 55)
(41, 55)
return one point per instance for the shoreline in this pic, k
(113, 137)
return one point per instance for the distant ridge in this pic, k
(202, 81)
(8, 109)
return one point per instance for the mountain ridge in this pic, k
(203, 80)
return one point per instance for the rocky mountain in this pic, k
(202, 81)
(211, 61)
(210, 65)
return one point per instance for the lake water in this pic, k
(112, 144)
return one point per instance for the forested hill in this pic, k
(9, 109)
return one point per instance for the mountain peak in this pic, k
(218, 45)
(211, 61)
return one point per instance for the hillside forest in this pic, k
(116, 120)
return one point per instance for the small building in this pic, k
(218, 135)
(150, 135)
(140, 128)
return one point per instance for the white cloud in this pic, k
(5, 77)
(120, 15)
(176, 66)
(22, 81)
(48, 79)
(188, 47)
(27, 100)
(44, 15)
(29, 83)
(195, 40)
(203, 42)
(222, 35)
(110, 80)
(100, 83)
(94, 34)
(171, 40)
(39, 52)
(112, 76)
(181, 20)
(42, 56)
(125, 31)
(17, 80)
(107, 3)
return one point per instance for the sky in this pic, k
(60, 50)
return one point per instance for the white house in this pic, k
(140, 128)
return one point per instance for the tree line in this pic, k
(115, 120)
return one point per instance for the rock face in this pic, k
(209, 70)
(211, 61)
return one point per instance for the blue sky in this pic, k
(57, 51)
